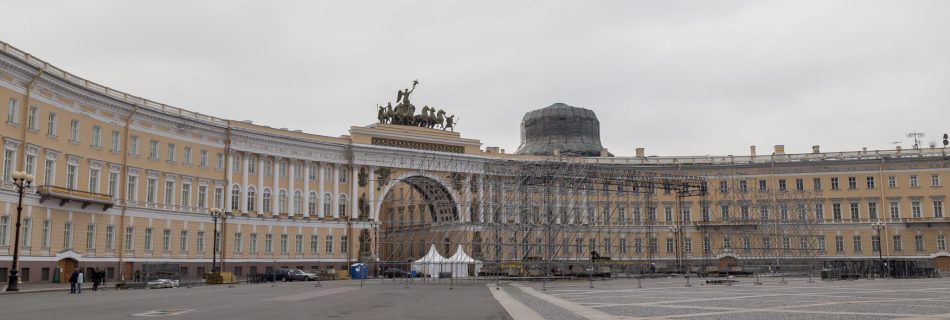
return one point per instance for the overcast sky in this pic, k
(678, 78)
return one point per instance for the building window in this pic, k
(799, 184)
(115, 141)
(236, 163)
(819, 211)
(268, 243)
(313, 244)
(96, 137)
(200, 241)
(852, 183)
(183, 241)
(171, 152)
(4, 227)
(30, 165)
(12, 111)
(113, 183)
(895, 210)
(834, 184)
(235, 198)
(185, 194)
(875, 243)
(781, 185)
(187, 155)
(219, 162)
(836, 211)
(251, 165)
(70, 177)
(153, 150)
(870, 182)
(839, 244)
(252, 243)
(169, 192)
(326, 203)
(915, 209)
(723, 186)
(312, 204)
(919, 242)
(942, 243)
(267, 199)
(892, 182)
(855, 213)
(31, 118)
(329, 244)
(74, 130)
(856, 240)
(298, 244)
(9, 164)
(914, 182)
(93, 180)
(898, 244)
(51, 125)
(110, 237)
(938, 209)
(282, 201)
(298, 202)
(218, 197)
(935, 180)
(202, 196)
(816, 183)
(203, 158)
(251, 198)
(821, 243)
(166, 240)
(342, 205)
(343, 173)
(148, 239)
(237, 242)
(129, 238)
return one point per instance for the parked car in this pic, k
(162, 283)
(279, 275)
(394, 273)
(301, 275)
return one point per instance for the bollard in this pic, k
(638, 282)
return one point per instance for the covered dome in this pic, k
(571, 130)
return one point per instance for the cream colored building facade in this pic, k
(123, 181)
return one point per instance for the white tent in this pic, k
(460, 261)
(431, 264)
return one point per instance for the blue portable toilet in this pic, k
(358, 271)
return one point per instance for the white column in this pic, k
(466, 207)
(230, 187)
(244, 183)
(320, 182)
(274, 193)
(491, 202)
(371, 185)
(260, 185)
(354, 191)
(481, 196)
(335, 197)
(290, 187)
(306, 189)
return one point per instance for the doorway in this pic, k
(66, 266)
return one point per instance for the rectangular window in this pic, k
(134, 145)
(12, 111)
(185, 194)
(852, 183)
(942, 243)
(148, 239)
(782, 185)
(935, 180)
(169, 192)
(834, 184)
(166, 240)
(115, 141)
(90, 237)
(763, 185)
(892, 182)
(113, 183)
(68, 236)
(4, 227)
(816, 183)
(313, 172)
(187, 155)
(237, 242)
(183, 241)
(48, 172)
(938, 209)
(96, 137)
(919, 242)
(800, 184)
(819, 212)
(870, 183)
(836, 211)
(313, 244)
(268, 167)
(821, 243)
(94, 180)
(914, 182)
(51, 125)
(298, 244)
(872, 210)
(856, 240)
(218, 197)
(898, 244)
(110, 237)
(30, 165)
(283, 243)
(252, 243)
(71, 177)
(151, 190)
(202, 196)
(895, 210)
(345, 244)
(153, 149)
(74, 130)
(31, 118)
(46, 233)
(329, 244)
(915, 209)
(268, 243)
(855, 212)
(129, 238)
(9, 164)
(203, 158)
(200, 241)
(170, 152)
(839, 244)
(875, 243)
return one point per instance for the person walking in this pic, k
(95, 280)
(72, 281)
(79, 281)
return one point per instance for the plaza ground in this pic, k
(666, 298)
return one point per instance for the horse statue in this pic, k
(382, 114)
(422, 118)
(439, 119)
(389, 113)
(450, 123)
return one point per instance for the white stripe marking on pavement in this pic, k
(310, 295)
(515, 309)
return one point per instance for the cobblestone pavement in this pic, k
(669, 298)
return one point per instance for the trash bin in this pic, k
(412, 274)
(358, 271)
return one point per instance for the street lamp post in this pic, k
(22, 181)
(878, 226)
(376, 248)
(215, 214)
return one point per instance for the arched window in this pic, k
(298, 202)
(282, 201)
(267, 207)
(342, 205)
(251, 198)
(326, 204)
(312, 204)
(235, 198)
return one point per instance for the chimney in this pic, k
(752, 148)
(491, 150)
(815, 149)
(641, 152)
(779, 149)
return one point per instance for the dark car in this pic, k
(279, 275)
(394, 273)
